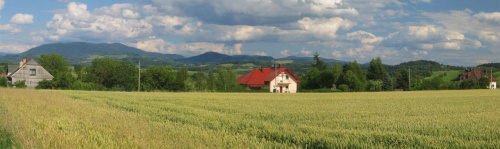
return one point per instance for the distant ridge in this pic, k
(214, 57)
(297, 59)
(76, 52)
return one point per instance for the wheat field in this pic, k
(82, 119)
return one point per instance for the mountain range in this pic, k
(81, 52)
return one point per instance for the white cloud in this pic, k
(364, 37)
(187, 49)
(489, 17)
(285, 53)
(336, 54)
(8, 28)
(417, 1)
(237, 49)
(129, 14)
(257, 8)
(102, 25)
(430, 37)
(261, 53)
(305, 52)
(22, 19)
(15, 48)
(323, 28)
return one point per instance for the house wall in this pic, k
(292, 87)
(493, 85)
(31, 80)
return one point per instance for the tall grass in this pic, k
(74, 119)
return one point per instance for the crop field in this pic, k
(81, 119)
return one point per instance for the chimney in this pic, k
(27, 59)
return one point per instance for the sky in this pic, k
(453, 32)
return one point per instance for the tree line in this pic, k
(350, 77)
(109, 74)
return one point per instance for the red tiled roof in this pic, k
(473, 74)
(258, 76)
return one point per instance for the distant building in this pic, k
(279, 78)
(475, 74)
(29, 71)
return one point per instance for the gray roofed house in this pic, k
(29, 71)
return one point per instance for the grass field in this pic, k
(450, 75)
(79, 119)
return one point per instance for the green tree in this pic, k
(374, 85)
(355, 78)
(79, 71)
(58, 67)
(484, 82)
(336, 72)
(376, 71)
(182, 74)
(311, 79)
(387, 86)
(351, 79)
(432, 84)
(231, 80)
(157, 78)
(318, 63)
(402, 80)
(212, 86)
(221, 79)
(200, 80)
(113, 74)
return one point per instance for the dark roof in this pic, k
(260, 76)
(473, 74)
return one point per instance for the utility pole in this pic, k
(139, 82)
(491, 78)
(275, 75)
(409, 78)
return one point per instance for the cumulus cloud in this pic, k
(285, 53)
(430, 37)
(15, 48)
(261, 53)
(103, 24)
(255, 12)
(187, 49)
(8, 28)
(489, 17)
(305, 52)
(336, 54)
(364, 37)
(22, 19)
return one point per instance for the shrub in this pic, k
(3, 82)
(344, 88)
(20, 84)
(79, 85)
(45, 84)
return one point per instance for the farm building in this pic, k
(475, 74)
(279, 78)
(29, 71)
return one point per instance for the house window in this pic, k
(286, 77)
(32, 72)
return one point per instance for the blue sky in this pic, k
(456, 32)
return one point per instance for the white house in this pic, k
(29, 71)
(279, 79)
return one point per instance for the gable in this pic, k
(24, 72)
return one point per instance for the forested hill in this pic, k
(495, 65)
(81, 52)
(214, 57)
(421, 67)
